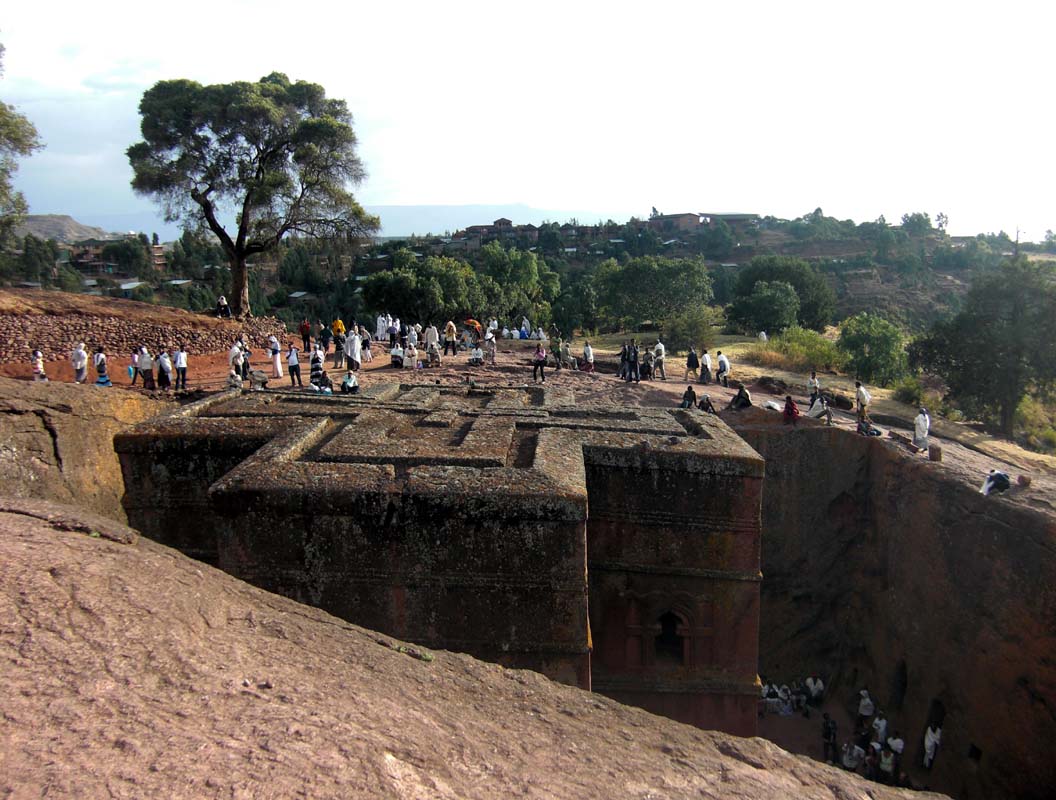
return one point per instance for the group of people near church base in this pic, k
(875, 748)
(167, 370)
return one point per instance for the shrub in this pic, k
(691, 326)
(908, 390)
(797, 350)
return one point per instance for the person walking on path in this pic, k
(99, 361)
(705, 366)
(588, 358)
(79, 361)
(538, 361)
(305, 329)
(294, 363)
(354, 351)
(723, 374)
(814, 387)
(659, 351)
(633, 355)
(181, 368)
(325, 337)
(276, 356)
(692, 365)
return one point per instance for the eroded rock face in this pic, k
(56, 442)
(894, 572)
(132, 671)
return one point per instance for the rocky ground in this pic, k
(131, 671)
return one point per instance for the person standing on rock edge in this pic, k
(181, 368)
(79, 361)
(862, 398)
(305, 329)
(294, 364)
(145, 365)
(921, 428)
(538, 361)
(828, 739)
(814, 387)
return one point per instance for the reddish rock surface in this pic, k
(56, 441)
(890, 571)
(132, 671)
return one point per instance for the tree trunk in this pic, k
(240, 288)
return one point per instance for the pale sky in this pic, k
(775, 108)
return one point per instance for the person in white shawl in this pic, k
(932, 740)
(276, 356)
(79, 361)
(921, 427)
(382, 329)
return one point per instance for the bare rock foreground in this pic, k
(130, 670)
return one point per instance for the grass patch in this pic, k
(797, 350)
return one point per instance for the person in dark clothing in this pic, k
(325, 335)
(705, 404)
(305, 329)
(692, 364)
(791, 412)
(828, 739)
(633, 357)
(538, 362)
(689, 398)
(622, 372)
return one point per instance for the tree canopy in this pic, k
(651, 288)
(817, 301)
(772, 306)
(18, 138)
(1000, 346)
(875, 347)
(278, 157)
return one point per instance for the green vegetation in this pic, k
(650, 289)
(999, 347)
(798, 350)
(772, 306)
(694, 325)
(18, 138)
(282, 153)
(875, 348)
(817, 302)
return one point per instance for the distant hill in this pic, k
(398, 221)
(62, 228)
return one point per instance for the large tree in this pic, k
(817, 301)
(1000, 346)
(278, 157)
(18, 138)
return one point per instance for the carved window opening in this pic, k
(670, 643)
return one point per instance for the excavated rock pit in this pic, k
(893, 572)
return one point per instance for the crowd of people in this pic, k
(875, 748)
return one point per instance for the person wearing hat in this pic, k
(866, 707)
(921, 427)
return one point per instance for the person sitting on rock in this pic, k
(432, 355)
(476, 356)
(258, 380)
(689, 398)
(396, 356)
(886, 766)
(819, 409)
(223, 310)
(791, 412)
(350, 385)
(410, 356)
(234, 380)
(743, 399)
(706, 405)
(853, 756)
(567, 359)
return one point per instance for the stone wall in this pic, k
(885, 570)
(54, 322)
(56, 442)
